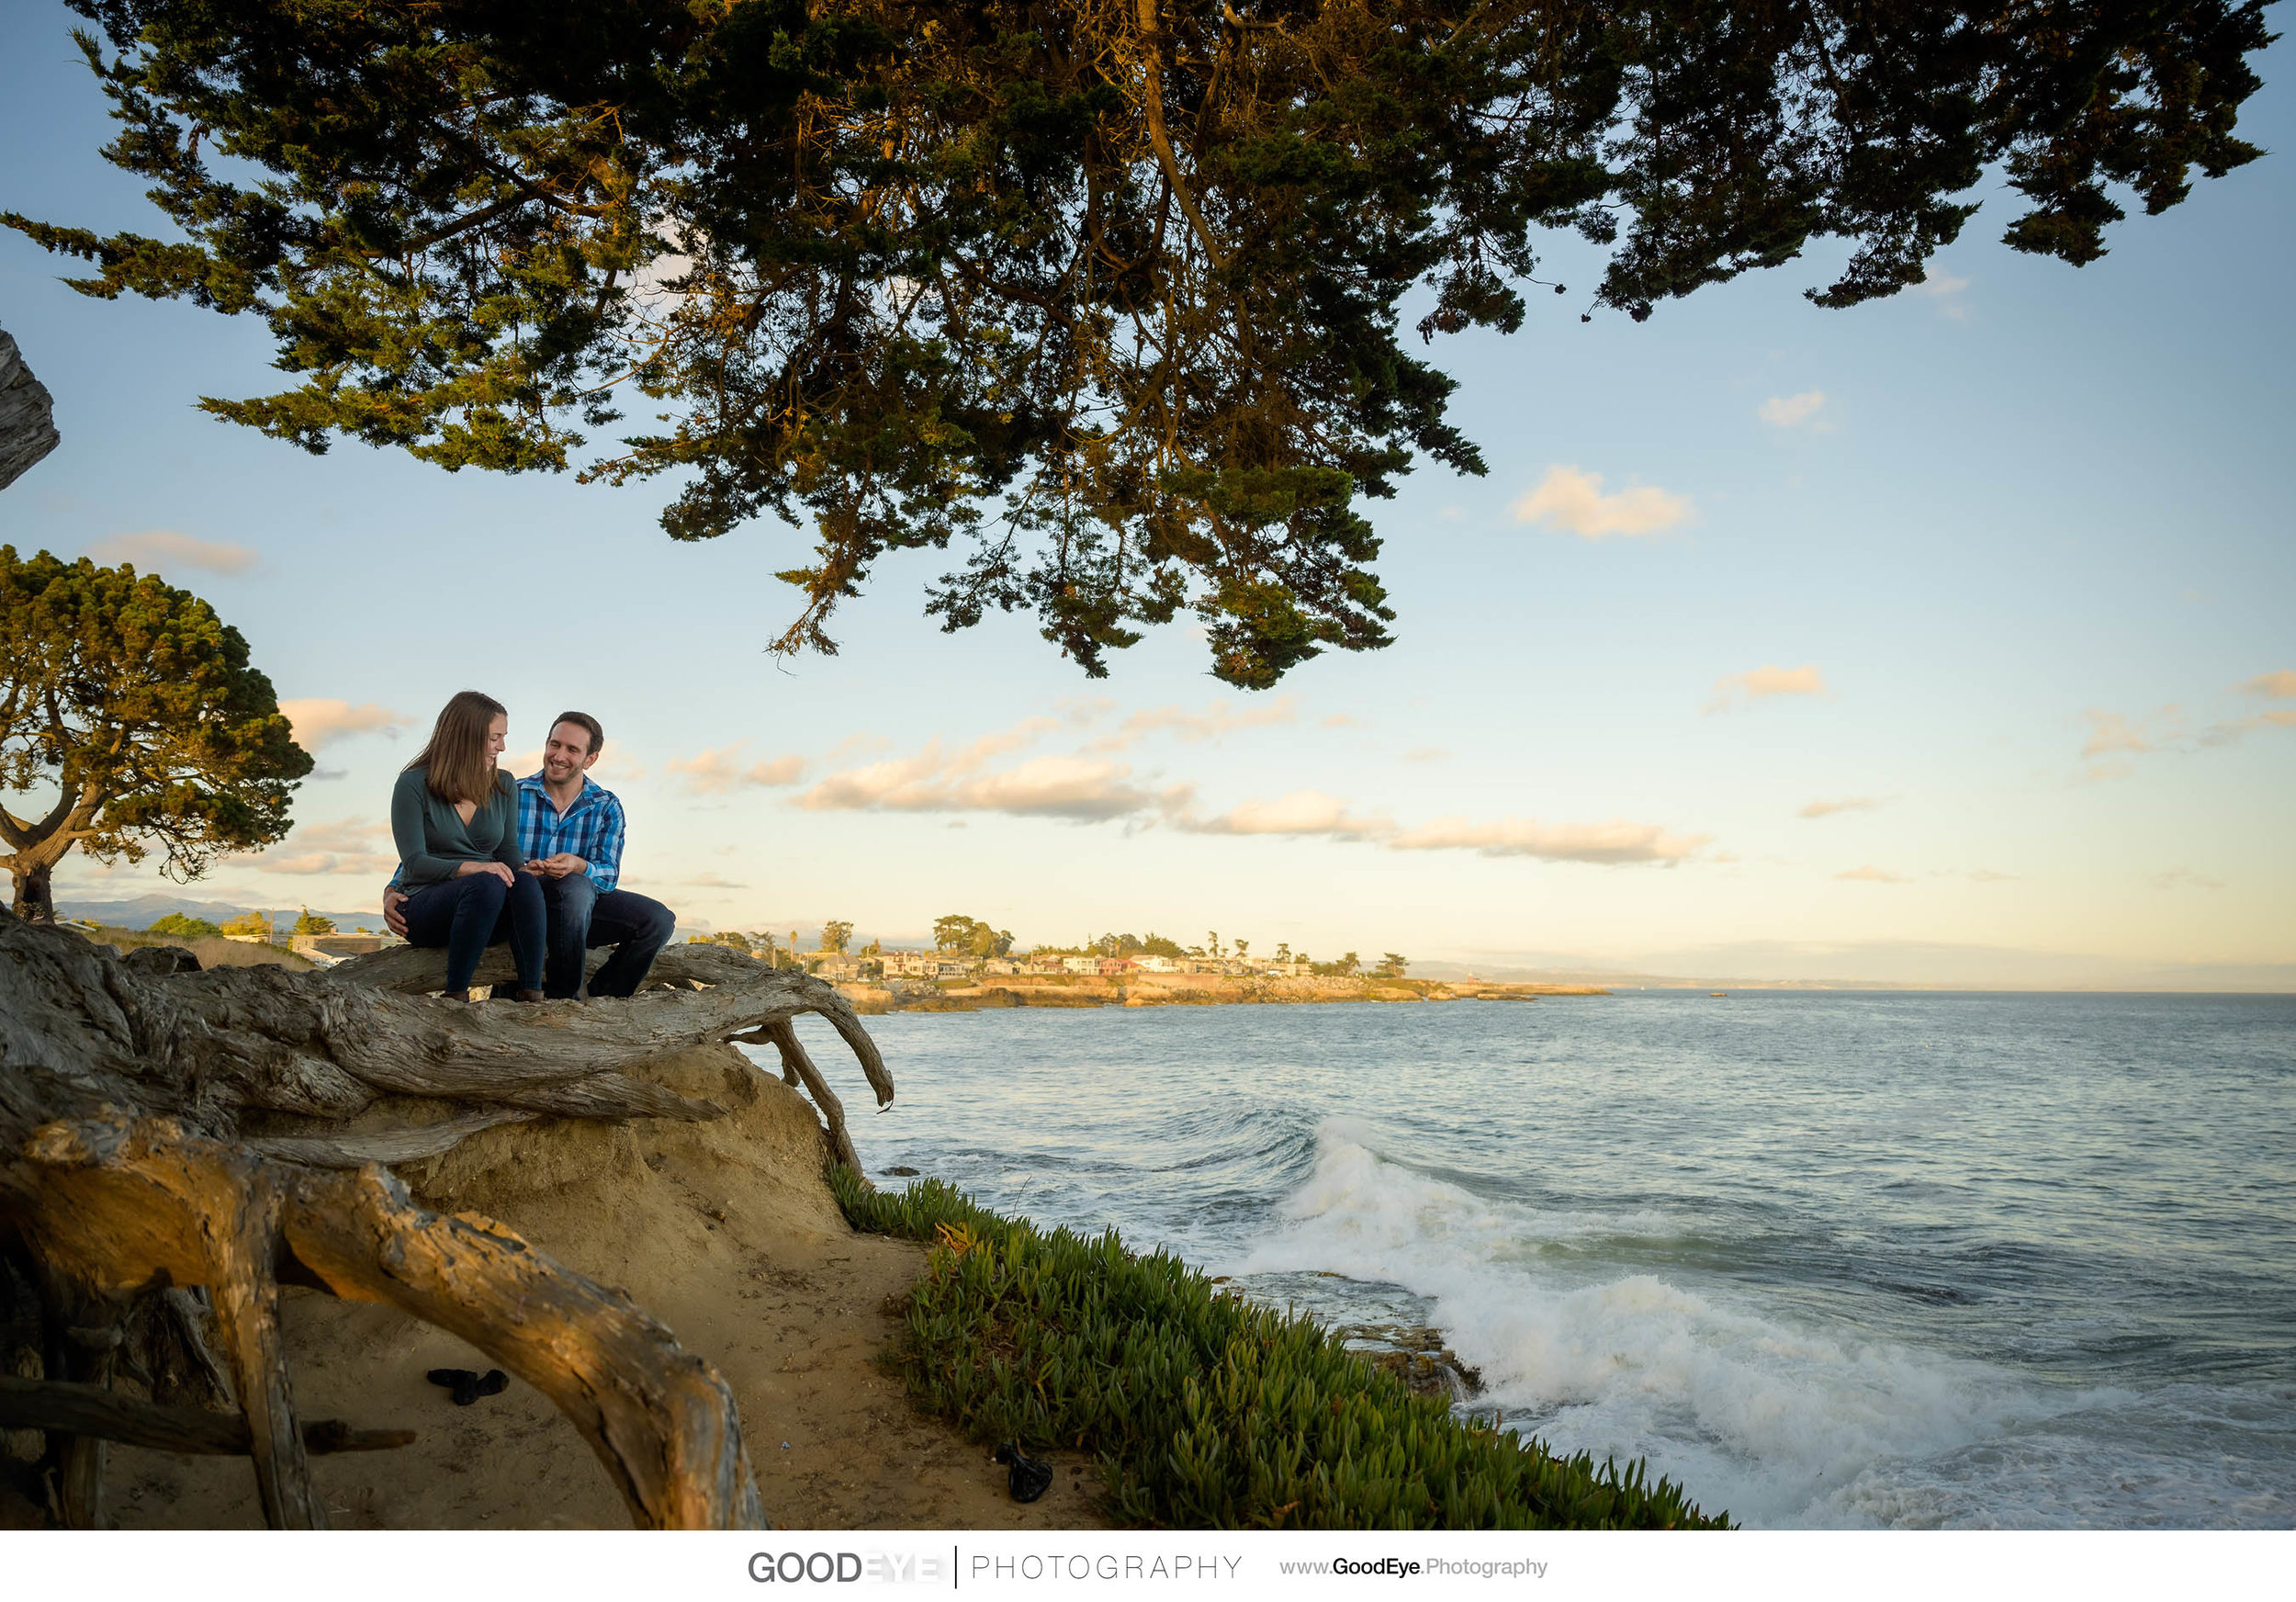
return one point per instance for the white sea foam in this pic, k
(1749, 1409)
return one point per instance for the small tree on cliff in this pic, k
(129, 719)
(179, 926)
(312, 923)
(836, 935)
(249, 926)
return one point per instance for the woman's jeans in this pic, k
(468, 914)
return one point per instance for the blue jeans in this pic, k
(582, 916)
(468, 914)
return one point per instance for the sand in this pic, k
(727, 1232)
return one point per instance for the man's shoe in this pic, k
(525, 995)
(462, 996)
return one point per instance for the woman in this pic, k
(454, 818)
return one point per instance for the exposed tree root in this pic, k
(126, 1180)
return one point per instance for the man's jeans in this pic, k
(582, 916)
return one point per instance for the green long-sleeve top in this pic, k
(433, 840)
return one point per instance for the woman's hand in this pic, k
(497, 869)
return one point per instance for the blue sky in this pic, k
(1935, 640)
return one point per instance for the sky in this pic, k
(1947, 640)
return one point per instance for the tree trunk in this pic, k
(126, 1177)
(35, 895)
(28, 424)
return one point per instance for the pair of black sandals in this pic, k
(467, 1385)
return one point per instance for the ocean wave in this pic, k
(1752, 1411)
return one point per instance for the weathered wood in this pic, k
(660, 1418)
(95, 1411)
(127, 1182)
(784, 1035)
(125, 1207)
(28, 424)
(382, 1145)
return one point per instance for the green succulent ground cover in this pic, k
(1204, 1410)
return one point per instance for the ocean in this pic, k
(1828, 1260)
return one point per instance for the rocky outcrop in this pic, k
(27, 425)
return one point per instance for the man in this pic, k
(571, 831)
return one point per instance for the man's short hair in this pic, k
(597, 734)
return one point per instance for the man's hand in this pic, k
(560, 866)
(394, 911)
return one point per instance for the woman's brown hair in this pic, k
(455, 763)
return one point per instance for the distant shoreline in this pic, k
(1073, 991)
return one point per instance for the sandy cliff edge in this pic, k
(724, 1231)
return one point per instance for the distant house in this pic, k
(1081, 965)
(1161, 965)
(839, 970)
(1000, 965)
(1111, 966)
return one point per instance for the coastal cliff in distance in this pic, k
(1073, 991)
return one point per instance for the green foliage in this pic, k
(1206, 1410)
(835, 935)
(250, 923)
(1392, 964)
(963, 936)
(312, 923)
(179, 926)
(1347, 964)
(1155, 945)
(134, 704)
(1112, 293)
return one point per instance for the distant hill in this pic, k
(143, 910)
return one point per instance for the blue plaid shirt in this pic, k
(591, 829)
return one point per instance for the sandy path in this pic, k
(726, 1234)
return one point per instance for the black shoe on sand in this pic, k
(467, 1386)
(1028, 1478)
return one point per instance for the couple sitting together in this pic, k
(482, 858)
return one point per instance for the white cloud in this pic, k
(1195, 728)
(1763, 682)
(1425, 753)
(2278, 685)
(2230, 733)
(1302, 812)
(1793, 411)
(320, 723)
(1342, 720)
(716, 770)
(164, 549)
(1987, 877)
(1847, 803)
(1871, 874)
(2109, 731)
(1076, 787)
(357, 846)
(1945, 289)
(2185, 878)
(1616, 840)
(1574, 502)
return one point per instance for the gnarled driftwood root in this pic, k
(130, 1189)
